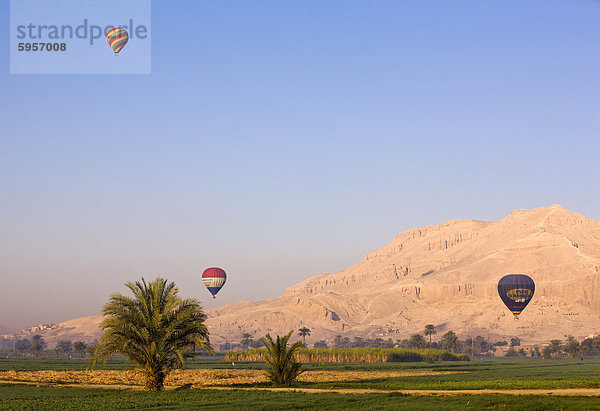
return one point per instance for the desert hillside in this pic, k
(444, 275)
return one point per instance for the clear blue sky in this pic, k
(284, 139)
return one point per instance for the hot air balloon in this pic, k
(214, 278)
(117, 38)
(516, 290)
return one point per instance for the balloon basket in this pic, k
(214, 296)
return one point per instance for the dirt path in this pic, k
(580, 392)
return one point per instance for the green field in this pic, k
(517, 374)
(492, 374)
(22, 398)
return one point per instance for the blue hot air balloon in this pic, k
(516, 290)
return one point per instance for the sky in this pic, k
(281, 140)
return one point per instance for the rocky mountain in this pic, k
(444, 275)
(79, 329)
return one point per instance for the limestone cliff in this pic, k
(446, 275)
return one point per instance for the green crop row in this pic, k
(350, 355)
(28, 398)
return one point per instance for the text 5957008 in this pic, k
(42, 47)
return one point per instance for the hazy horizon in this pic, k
(283, 140)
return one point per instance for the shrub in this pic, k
(283, 366)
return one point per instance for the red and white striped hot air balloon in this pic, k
(214, 278)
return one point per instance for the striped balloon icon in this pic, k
(214, 278)
(117, 39)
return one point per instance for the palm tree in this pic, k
(303, 332)
(246, 340)
(571, 346)
(153, 329)
(430, 330)
(416, 341)
(556, 347)
(449, 341)
(284, 369)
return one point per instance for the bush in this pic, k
(463, 357)
(405, 356)
(283, 367)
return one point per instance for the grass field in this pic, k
(22, 398)
(488, 374)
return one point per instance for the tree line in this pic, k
(449, 341)
(570, 348)
(37, 346)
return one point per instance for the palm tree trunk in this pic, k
(155, 381)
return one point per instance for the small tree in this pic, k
(37, 344)
(481, 344)
(341, 342)
(246, 341)
(64, 346)
(303, 332)
(255, 344)
(429, 331)
(515, 342)
(321, 344)
(572, 346)
(360, 342)
(80, 347)
(587, 346)
(22, 346)
(283, 367)
(556, 347)
(547, 352)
